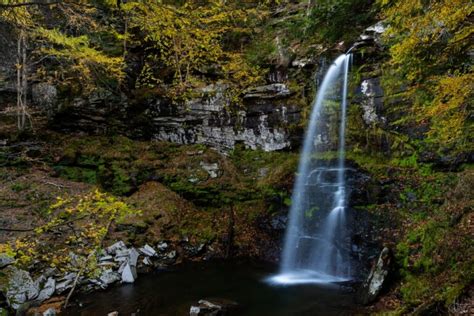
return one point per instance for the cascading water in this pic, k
(315, 249)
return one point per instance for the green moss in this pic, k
(18, 187)
(77, 174)
(415, 289)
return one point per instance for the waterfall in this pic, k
(316, 247)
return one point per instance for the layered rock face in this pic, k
(261, 124)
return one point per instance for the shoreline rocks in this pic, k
(117, 263)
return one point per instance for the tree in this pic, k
(182, 41)
(429, 44)
(65, 53)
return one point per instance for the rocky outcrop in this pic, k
(261, 124)
(371, 101)
(44, 95)
(377, 278)
(117, 263)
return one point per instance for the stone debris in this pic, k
(213, 307)
(21, 288)
(50, 312)
(106, 258)
(117, 246)
(211, 168)
(129, 274)
(133, 257)
(162, 246)
(65, 283)
(109, 277)
(118, 263)
(148, 251)
(47, 290)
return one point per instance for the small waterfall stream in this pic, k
(315, 249)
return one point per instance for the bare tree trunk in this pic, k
(19, 97)
(125, 34)
(84, 265)
(22, 83)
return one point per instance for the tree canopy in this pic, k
(429, 43)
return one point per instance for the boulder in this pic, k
(120, 245)
(377, 278)
(129, 274)
(65, 283)
(5, 260)
(212, 307)
(148, 251)
(109, 276)
(47, 290)
(133, 257)
(21, 288)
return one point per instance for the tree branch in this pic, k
(43, 3)
(22, 4)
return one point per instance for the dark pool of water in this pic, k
(173, 292)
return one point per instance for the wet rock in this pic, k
(129, 274)
(113, 314)
(276, 90)
(279, 221)
(376, 279)
(148, 251)
(374, 32)
(21, 287)
(193, 251)
(109, 276)
(5, 260)
(162, 246)
(213, 307)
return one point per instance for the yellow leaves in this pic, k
(78, 225)
(188, 40)
(449, 110)
(86, 63)
(430, 41)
